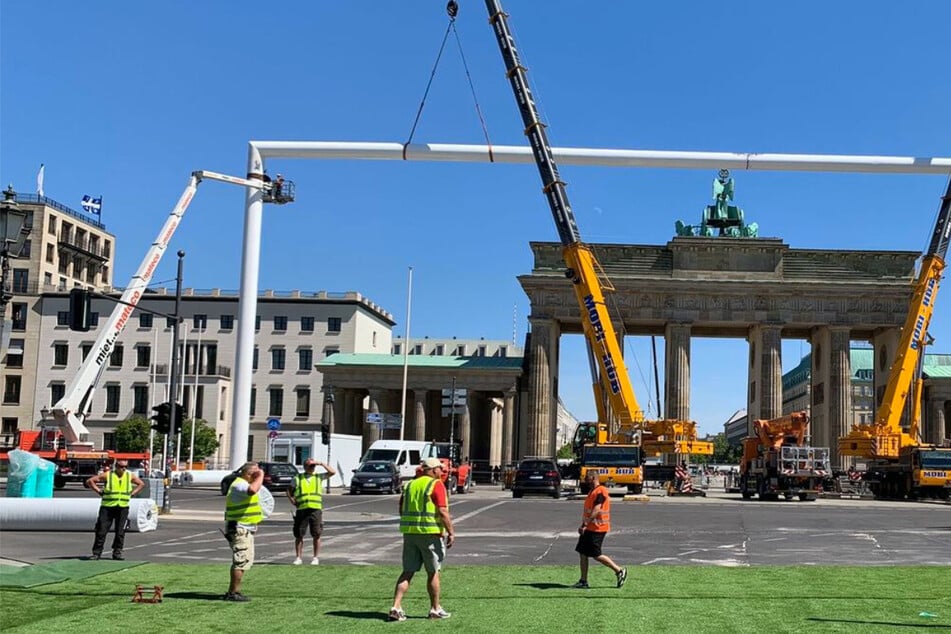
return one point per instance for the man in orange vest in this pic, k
(595, 524)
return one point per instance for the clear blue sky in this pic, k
(125, 99)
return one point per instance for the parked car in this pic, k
(537, 475)
(277, 476)
(375, 475)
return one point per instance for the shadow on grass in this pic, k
(891, 623)
(544, 586)
(198, 596)
(351, 614)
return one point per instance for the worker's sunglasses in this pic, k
(121, 466)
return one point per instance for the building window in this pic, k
(145, 320)
(329, 352)
(503, 351)
(170, 322)
(18, 316)
(481, 352)
(439, 350)
(60, 354)
(86, 348)
(374, 339)
(460, 350)
(277, 358)
(254, 397)
(280, 322)
(8, 426)
(397, 348)
(199, 402)
(27, 250)
(307, 324)
(143, 356)
(50, 250)
(15, 353)
(21, 280)
(305, 358)
(51, 229)
(417, 349)
(199, 322)
(11, 390)
(211, 358)
(57, 392)
(257, 322)
(254, 359)
(91, 275)
(227, 322)
(115, 359)
(140, 399)
(62, 318)
(276, 406)
(112, 399)
(333, 324)
(93, 320)
(48, 279)
(303, 401)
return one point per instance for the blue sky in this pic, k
(125, 99)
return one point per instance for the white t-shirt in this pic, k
(238, 493)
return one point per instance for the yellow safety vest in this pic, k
(118, 489)
(247, 512)
(419, 515)
(307, 491)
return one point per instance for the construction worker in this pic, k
(116, 492)
(243, 513)
(424, 515)
(305, 494)
(595, 524)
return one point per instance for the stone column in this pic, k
(464, 421)
(508, 427)
(495, 431)
(371, 433)
(765, 394)
(939, 425)
(885, 346)
(677, 371)
(839, 393)
(542, 394)
(419, 416)
(821, 342)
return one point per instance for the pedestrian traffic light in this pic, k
(162, 418)
(177, 418)
(325, 433)
(80, 309)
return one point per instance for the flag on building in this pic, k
(39, 180)
(92, 205)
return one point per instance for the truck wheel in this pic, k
(516, 493)
(59, 482)
(635, 489)
(451, 484)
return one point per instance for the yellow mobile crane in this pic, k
(900, 464)
(617, 455)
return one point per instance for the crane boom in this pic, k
(583, 269)
(71, 410)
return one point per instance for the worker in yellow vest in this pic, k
(595, 524)
(424, 515)
(243, 513)
(305, 493)
(115, 487)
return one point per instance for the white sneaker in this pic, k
(439, 613)
(314, 561)
(396, 614)
(297, 561)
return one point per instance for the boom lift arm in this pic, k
(885, 438)
(70, 411)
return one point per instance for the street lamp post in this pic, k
(12, 237)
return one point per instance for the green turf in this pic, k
(57, 571)
(495, 599)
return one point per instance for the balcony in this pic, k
(220, 371)
(84, 247)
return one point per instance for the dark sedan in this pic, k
(375, 476)
(277, 476)
(536, 475)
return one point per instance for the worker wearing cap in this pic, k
(305, 494)
(424, 515)
(115, 487)
(595, 524)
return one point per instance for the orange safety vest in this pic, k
(597, 522)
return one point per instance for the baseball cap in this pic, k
(431, 463)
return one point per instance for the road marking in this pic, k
(477, 511)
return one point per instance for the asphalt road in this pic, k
(494, 529)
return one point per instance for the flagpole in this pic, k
(194, 404)
(409, 305)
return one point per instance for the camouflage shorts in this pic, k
(242, 549)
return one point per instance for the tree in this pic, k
(132, 435)
(566, 451)
(206, 439)
(724, 453)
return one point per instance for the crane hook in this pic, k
(452, 8)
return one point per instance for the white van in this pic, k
(404, 453)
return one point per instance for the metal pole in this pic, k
(172, 384)
(329, 420)
(181, 388)
(194, 403)
(452, 414)
(409, 304)
(152, 355)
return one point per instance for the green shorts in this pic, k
(423, 550)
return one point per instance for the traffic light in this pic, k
(162, 418)
(325, 433)
(80, 309)
(177, 418)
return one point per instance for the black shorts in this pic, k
(304, 518)
(589, 544)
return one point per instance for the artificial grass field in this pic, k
(492, 599)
